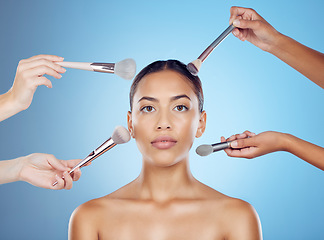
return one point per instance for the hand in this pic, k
(42, 170)
(249, 145)
(252, 27)
(30, 75)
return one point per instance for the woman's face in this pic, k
(165, 118)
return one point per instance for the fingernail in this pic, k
(234, 144)
(235, 33)
(236, 23)
(59, 76)
(61, 58)
(63, 69)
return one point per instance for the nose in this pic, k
(164, 121)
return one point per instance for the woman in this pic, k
(165, 201)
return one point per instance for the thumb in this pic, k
(243, 143)
(252, 24)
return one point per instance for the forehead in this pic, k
(165, 82)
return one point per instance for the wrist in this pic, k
(8, 105)
(19, 167)
(287, 141)
(278, 44)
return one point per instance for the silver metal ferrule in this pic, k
(103, 67)
(96, 153)
(221, 146)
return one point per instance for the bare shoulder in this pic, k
(238, 217)
(241, 219)
(86, 220)
(83, 221)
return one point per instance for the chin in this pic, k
(166, 159)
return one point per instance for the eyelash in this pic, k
(145, 108)
(184, 108)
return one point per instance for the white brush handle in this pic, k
(77, 65)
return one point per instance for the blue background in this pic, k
(245, 88)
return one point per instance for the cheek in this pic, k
(141, 125)
(188, 126)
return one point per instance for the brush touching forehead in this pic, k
(173, 65)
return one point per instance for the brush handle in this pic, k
(220, 146)
(107, 145)
(214, 44)
(76, 65)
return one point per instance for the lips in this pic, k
(163, 142)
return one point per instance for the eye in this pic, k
(181, 108)
(147, 109)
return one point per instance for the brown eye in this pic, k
(148, 109)
(181, 108)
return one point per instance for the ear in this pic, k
(202, 124)
(130, 124)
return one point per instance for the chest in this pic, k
(184, 222)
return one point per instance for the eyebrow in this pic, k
(172, 98)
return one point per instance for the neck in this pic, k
(162, 184)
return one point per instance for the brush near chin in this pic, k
(195, 65)
(125, 69)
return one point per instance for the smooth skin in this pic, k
(38, 169)
(255, 29)
(249, 145)
(165, 201)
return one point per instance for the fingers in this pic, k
(243, 143)
(237, 136)
(76, 174)
(43, 81)
(41, 62)
(33, 69)
(68, 181)
(64, 182)
(53, 58)
(71, 163)
(59, 184)
(251, 24)
(240, 153)
(55, 163)
(245, 13)
(40, 71)
(249, 134)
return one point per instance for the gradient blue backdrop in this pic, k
(245, 88)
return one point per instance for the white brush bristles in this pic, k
(197, 63)
(120, 135)
(204, 150)
(126, 68)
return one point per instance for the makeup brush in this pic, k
(195, 65)
(125, 69)
(119, 136)
(206, 149)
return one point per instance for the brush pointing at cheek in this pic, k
(119, 136)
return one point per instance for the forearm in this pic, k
(307, 151)
(10, 170)
(8, 107)
(305, 60)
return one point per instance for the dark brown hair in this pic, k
(173, 65)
